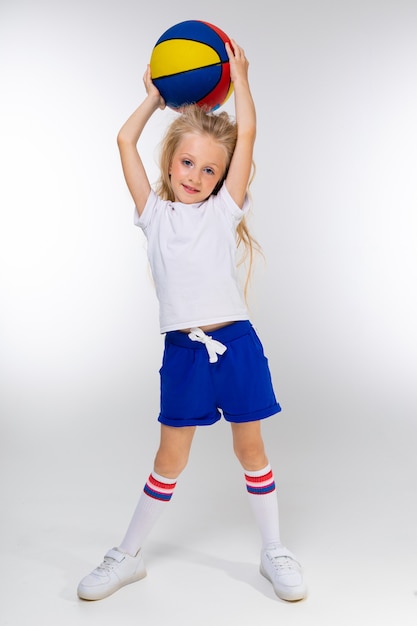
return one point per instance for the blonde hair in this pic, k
(223, 129)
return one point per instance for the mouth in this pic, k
(189, 189)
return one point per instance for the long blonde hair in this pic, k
(223, 129)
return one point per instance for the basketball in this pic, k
(189, 65)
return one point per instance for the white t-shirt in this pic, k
(192, 254)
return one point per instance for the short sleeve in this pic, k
(144, 220)
(235, 210)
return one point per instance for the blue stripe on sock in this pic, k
(261, 490)
(157, 494)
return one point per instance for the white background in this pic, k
(335, 198)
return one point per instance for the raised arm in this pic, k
(127, 139)
(241, 164)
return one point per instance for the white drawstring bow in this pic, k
(213, 346)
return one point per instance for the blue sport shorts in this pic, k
(196, 392)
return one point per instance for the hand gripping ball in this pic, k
(189, 65)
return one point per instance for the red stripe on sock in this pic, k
(159, 485)
(259, 479)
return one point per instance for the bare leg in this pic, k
(174, 450)
(170, 460)
(249, 446)
(249, 449)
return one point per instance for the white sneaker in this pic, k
(283, 570)
(117, 569)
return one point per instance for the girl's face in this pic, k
(197, 166)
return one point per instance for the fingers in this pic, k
(237, 61)
(150, 87)
(147, 77)
(234, 51)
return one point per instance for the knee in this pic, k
(170, 464)
(251, 455)
(174, 450)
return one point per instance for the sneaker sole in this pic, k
(89, 594)
(290, 595)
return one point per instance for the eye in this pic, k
(209, 171)
(187, 162)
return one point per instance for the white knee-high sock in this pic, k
(152, 503)
(263, 500)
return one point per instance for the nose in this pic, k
(194, 176)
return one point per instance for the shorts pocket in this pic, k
(257, 342)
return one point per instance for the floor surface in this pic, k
(347, 510)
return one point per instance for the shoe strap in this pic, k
(115, 554)
(282, 552)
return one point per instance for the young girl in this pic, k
(213, 363)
